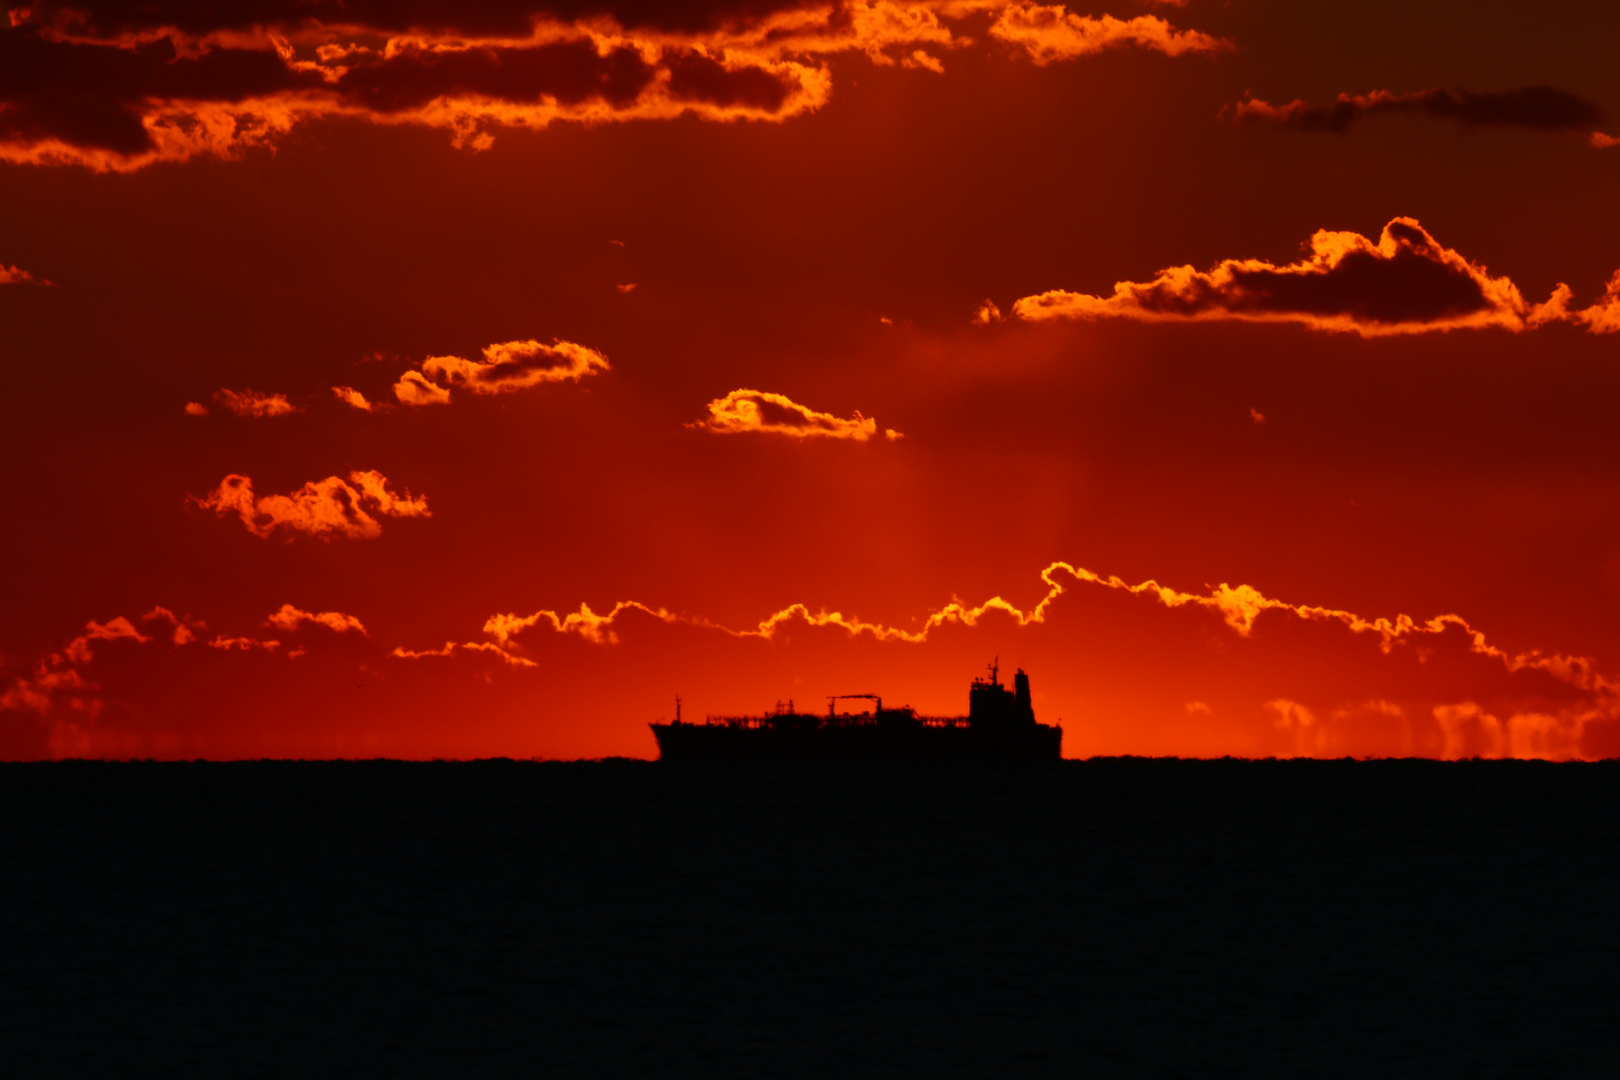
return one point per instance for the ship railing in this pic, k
(943, 721)
(810, 720)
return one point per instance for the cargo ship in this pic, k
(1000, 725)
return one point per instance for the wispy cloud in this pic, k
(253, 403)
(1534, 108)
(759, 410)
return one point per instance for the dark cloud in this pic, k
(91, 96)
(494, 18)
(1404, 283)
(695, 77)
(1540, 108)
(569, 71)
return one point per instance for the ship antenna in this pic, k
(677, 708)
(995, 671)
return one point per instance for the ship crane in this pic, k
(833, 699)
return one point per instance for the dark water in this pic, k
(1111, 918)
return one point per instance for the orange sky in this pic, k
(473, 382)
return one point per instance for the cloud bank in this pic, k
(117, 85)
(1522, 734)
(1404, 283)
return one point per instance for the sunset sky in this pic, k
(454, 379)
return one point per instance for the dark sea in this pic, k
(1106, 918)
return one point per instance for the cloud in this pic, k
(185, 629)
(289, 618)
(1049, 33)
(352, 397)
(1536, 108)
(1240, 608)
(324, 508)
(196, 408)
(1602, 317)
(119, 86)
(450, 648)
(244, 644)
(507, 366)
(12, 275)
(1405, 283)
(56, 684)
(414, 388)
(252, 403)
(759, 410)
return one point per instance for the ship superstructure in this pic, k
(1000, 724)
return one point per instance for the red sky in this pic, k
(473, 381)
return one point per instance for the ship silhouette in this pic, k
(1000, 725)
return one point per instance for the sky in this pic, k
(449, 380)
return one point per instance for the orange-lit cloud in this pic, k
(13, 275)
(450, 648)
(324, 508)
(289, 618)
(56, 684)
(1405, 283)
(1049, 32)
(1602, 317)
(1537, 108)
(352, 397)
(244, 644)
(760, 410)
(1239, 607)
(413, 388)
(507, 366)
(252, 403)
(185, 629)
(168, 83)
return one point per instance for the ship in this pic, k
(1000, 725)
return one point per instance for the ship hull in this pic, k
(695, 742)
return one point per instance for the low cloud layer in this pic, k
(508, 366)
(759, 410)
(1464, 727)
(328, 508)
(120, 86)
(1534, 108)
(1404, 283)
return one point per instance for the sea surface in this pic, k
(1106, 918)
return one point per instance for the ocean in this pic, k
(1105, 918)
